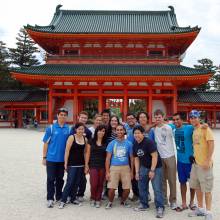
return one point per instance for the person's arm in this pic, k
(67, 151)
(87, 157)
(45, 147)
(208, 163)
(107, 165)
(137, 167)
(154, 156)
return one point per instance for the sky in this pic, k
(204, 13)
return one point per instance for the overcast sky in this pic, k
(204, 13)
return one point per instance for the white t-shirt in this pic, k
(165, 141)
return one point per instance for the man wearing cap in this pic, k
(54, 146)
(201, 177)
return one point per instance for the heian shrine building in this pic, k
(97, 59)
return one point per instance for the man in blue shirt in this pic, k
(184, 145)
(54, 147)
(119, 151)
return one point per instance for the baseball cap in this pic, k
(194, 114)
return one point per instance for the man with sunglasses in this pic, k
(54, 147)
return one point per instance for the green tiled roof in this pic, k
(22, 96)
(77, 21)
(198, 97)
(110, 70)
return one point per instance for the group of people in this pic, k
(124, 156)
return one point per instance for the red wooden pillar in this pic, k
(75, 106)
(214, 112)
(50, 105)
(100, 101)
(20, 119)
(175, 100)
(150, 107)
(125, 104)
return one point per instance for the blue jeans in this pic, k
(74, 175)
(143, 185)
(55, 173)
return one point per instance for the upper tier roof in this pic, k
(115, 22)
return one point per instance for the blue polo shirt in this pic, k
(184, 143)
(121, 151)
(56, 138)
(130, 135)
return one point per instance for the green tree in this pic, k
(24, 55)
(207, 64)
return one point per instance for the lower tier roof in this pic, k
(110, 70)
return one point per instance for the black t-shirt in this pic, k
(97, 155)
(143, 151)
(76, 154)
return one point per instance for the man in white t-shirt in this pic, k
(166, 148)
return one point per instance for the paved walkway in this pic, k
(23, 185)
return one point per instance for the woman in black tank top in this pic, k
(74, 164)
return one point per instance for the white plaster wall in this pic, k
(69, 105)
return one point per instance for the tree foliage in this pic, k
(213, 82)
(24, 55)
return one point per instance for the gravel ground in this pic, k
(23, 185)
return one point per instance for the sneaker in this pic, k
(141, 208)
(126, 204)
(134, 198)
(61, 206)
(197, 212)
(50, 203)
(80, 198)
(209, 216)
(109, 205)
(68, 200)
(92, 203)
(160, 212)
(173, 205)
(98, 204)
(76, 202)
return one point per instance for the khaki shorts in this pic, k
(201, 179)
(120, 173)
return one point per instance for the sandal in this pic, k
(193, 207)
(180, 208)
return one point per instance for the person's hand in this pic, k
(86, 169)
(151, 174)
(206, 165)
(137, 177)
(107, 176)
(44, 161)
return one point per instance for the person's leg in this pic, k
(125, 195)
(59, 180)
(101, 178)
(77, 181)
(199, 196)
(51, 177)
(192, 197)
(93, 182)
(164, 180)
(171, 174)
(143, 186)
(135, 190)
(111, 194)
(82, 186)
(125, 176)
(71, 176)
(208, 200)
(157, 184)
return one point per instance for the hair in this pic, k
(142, 112)
(79, 124)
(97, 115)
(110, 127)
(106, 111)
(64, 110)
(178, 114)
(159, 112)
(131, 114)
(139, 128)
(84, 113)
(99, 128)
